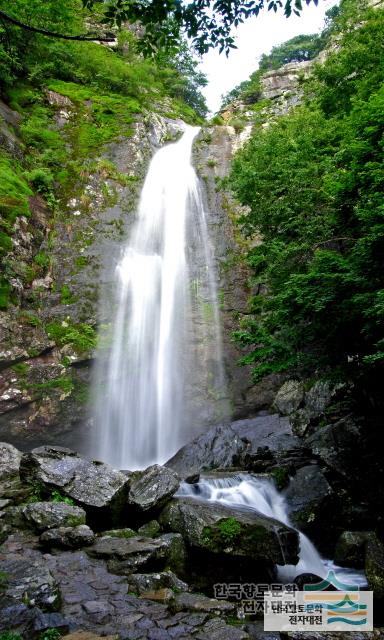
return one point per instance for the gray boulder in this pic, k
(350, 549)
(50, 515)
(4, 532)
(254, 443)
(289, 397)
(316, 401)
(217, 629)
(222, 530)
(126, 532)
(10, 457)
(150, 529)
(29, 583)
(201, 603)
(335, 444)
(99, 489)
(9, 461)
(144, 582)
(132, 555)
(214, 449)
(150, 489)
(307, 495)
(68, 537)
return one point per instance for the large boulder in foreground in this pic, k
(50, 515)
(222, 530)
(125, 556)
(150, 489)
(68, 537)
(98, 488)
(29, 583)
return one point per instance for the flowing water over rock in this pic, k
(246, 492)
(164, 365)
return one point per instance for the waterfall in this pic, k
(147, 393)
(245, 492)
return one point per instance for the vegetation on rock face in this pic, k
(102, 92)
(313, 182)
(81, 336)
(123, 71)
(298, 49)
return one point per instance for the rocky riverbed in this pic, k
(96, 552)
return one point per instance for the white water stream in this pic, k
(160, 345)
(246, 492)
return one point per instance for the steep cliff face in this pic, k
(214, 151)
(60, 257)
(280, 90)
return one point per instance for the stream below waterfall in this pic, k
(244, 492)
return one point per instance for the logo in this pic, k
(344, 607)
(329, 605)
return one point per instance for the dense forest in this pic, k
(313, 182)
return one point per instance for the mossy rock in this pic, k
(223, 530)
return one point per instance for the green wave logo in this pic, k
(351, 610)
(330, 581)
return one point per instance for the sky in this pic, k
(253, 38)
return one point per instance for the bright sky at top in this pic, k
(253, 38)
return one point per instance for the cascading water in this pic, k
(146, 386)
(246, 492)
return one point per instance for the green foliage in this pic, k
(63, 384)
(249, 91)
(117, 72)
(37, 492)
(108, 89)
(42, 259)
(66, 295)
(30, 318)
(205, 24)
(14, 192)
(41, 180)
(81, 336)
(50, 634)
(313, 182)
(229, 529)
(56, 496)
(9, 635)
(223, 533)
(4, 579)
(281, 477)
(4, 293)
(21, 368)
(299, 49)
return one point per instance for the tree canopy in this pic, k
(207, 24)
(313, 182)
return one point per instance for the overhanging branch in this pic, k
(52, 34)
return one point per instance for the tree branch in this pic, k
(52, 34)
